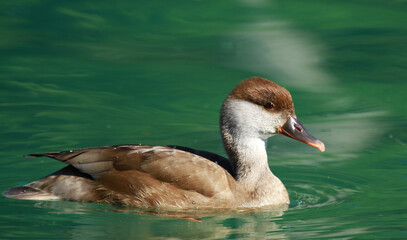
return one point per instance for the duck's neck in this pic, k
(246, 150)
(249, 158)
(245, 143)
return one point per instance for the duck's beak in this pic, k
(293, 128)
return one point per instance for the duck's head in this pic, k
(260, 108)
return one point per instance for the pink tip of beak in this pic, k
(318, 144)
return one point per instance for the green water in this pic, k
(83, 74)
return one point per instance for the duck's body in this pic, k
(147, 176)
(179, 177)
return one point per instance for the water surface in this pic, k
(75, 75)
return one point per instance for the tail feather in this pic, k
(59, 185)
(61, 156)
(29, 193)
(50, 154)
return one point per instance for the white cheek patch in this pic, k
(252, 119)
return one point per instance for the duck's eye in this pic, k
(269, 105)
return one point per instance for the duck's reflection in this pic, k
(95, 221)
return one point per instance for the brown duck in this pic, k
(173, 177)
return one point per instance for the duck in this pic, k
(177, 177)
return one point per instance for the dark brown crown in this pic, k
(261, 91)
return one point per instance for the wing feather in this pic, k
(181, 169)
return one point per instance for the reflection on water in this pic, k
(88, 222)
(272, 48)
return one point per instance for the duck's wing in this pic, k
(124, 168)
(221, 161)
